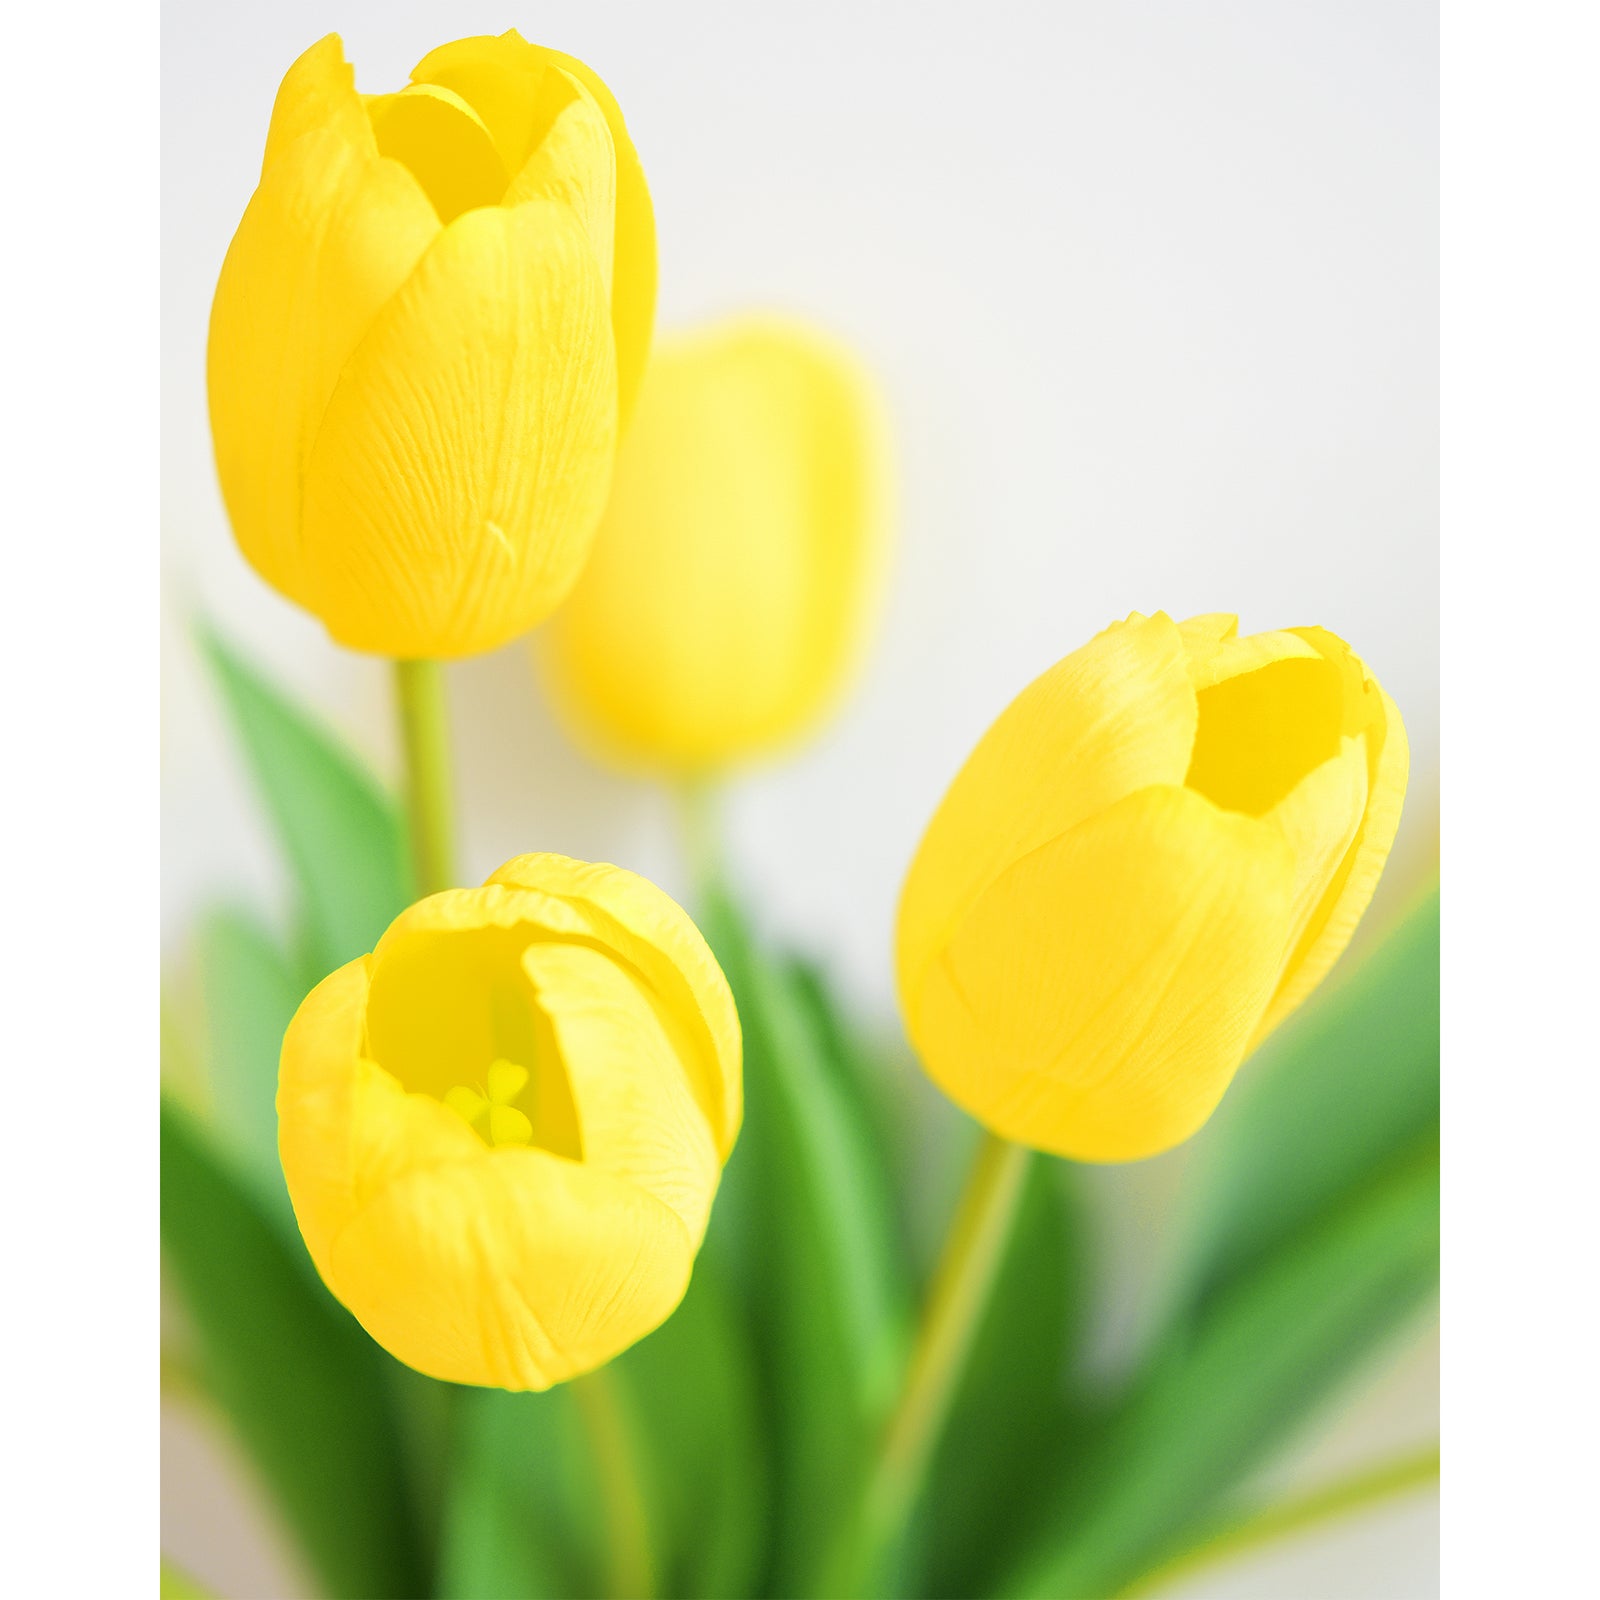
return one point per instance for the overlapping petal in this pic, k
(460, 468)
(1116, 716)
(1101, 992)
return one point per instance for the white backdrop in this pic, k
(1151, 288)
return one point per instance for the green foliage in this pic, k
(341, 832)
(1263, 1353)
(1347, 1087)
(302, 1384)
(813, 1234)
(1015, 1404)
(250, 990)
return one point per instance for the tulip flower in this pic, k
(503, 1129)
(729, 587)
(435, 308)
(1152, 857)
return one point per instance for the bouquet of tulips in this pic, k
(545, 1237)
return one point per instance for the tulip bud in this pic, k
(503, 1129)
(432, 310)
(729, 587)
(1151, 858)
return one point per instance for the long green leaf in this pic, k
(1325, 1107)
(250, 989)
(1015, 1405)
(692, 1392)
(302, 1384)
(810, 1227)
(1267, 1349)
(520, 1520)
(340, 830)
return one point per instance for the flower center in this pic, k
(489, 1109)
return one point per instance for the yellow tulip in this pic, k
(729, 587)
(434, 308)
(503, 1129)
(1150, 859)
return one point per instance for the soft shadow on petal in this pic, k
(1113, 717)
(518, 1270)
(636, 1113)
(647, 929)
(443, 143)
(1100, 995)
(330, 235)
(465, 456)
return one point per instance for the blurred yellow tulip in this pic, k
(730, 586)
(433, 308)
(1151, 858)
(502, 1130)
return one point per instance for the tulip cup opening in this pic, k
(1153, 856)
(503, 1130)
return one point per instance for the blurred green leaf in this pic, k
(176, 1585)
(250, 991)
(692, 1391)
(1267, 1348)
(302, 1384)
(1014, 1405)
(1331, 1101)
(519, 1521)
(342, 832)
(810, 1227)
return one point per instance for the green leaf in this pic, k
(302, 1384)
(1014, 1405)
(808, 1224)
(342, 833)
(250, 990)
(519, 1521)
(1327, 1106)
(691, 1387)
(1267, 1349)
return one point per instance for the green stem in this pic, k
(429, 789)
(700, 830)
(965, 1275)
(1368, 1487)
(631, 1575)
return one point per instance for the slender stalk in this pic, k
(965, 1275)
(429, 787)
(1369, 1487)
(699, 828)
(631, 1574)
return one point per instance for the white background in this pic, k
(1151, 289)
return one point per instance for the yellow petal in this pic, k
(465, 455)
(739, 557)
(574, 163)
(318, 92)
(1099, 997)
(653, 934)
(444, 144)
(1116, 716)
(636, 1110)
(331, 233)
(503, 79)
(633, 283)
(515, 1269)
(1388, 758)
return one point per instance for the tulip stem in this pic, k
(429, 789)
(611, 1438)
(699, 828)
(973, 1250)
